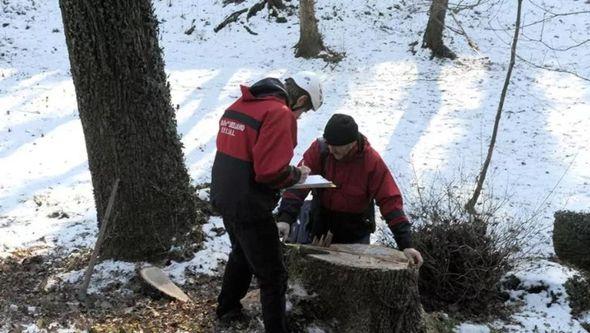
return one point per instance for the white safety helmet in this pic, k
(310, 82)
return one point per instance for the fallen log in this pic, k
(356, 287)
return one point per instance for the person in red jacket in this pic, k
(346, 158)
(255, 142)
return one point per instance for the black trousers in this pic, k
(256, 250)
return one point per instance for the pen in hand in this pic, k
(304, 172)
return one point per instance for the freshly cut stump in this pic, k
(357, 287)
(571, 238)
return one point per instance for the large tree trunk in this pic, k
(310, 40)
(571, 238)
(433, 36)
(129, 126)
(356, 287)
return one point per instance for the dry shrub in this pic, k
(578, 291)
(465, 256)
(463, 267)
(571, 238)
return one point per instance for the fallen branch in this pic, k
(82, 294)
(250, 31)
(232, 18)
(255, 9)
(252, 11)
(235, 2)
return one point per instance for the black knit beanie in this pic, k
(341, 130)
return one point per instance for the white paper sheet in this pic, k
(314, 181)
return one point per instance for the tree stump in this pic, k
(571, 238)
(356, 287)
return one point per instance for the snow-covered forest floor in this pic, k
(430, 119)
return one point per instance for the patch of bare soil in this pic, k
(28, 295)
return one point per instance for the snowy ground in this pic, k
(431, 116)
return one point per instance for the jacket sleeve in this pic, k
(273, 150)
(390, 202)
(292, 200)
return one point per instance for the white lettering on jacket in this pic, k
(229, 127)
(228, 131)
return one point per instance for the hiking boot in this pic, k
(233, 319)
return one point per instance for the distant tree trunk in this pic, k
(310, 40)
(129, 126)
(433, 36)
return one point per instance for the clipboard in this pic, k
(313, 181)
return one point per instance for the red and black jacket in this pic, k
(361, 177)
(255, 142)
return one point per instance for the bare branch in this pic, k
(554, 16)
(470, 206)
(470, 41)
(459, 7)
(538, 210)
(558, 49)
(558, 70)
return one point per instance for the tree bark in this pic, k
(571, 238)
(356, 287)
(433, 36)
(129, 126)
(310, 40)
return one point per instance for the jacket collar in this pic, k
(268, 88)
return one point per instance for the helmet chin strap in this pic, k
(295, 109)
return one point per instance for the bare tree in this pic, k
(549, 15)
(310, 40)
(470, 206)
(129, 126)
(433, 36)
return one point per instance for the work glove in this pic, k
(414, 257)
(284, 229)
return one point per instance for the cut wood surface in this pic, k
(356, 287)
(159, 280)
(358, 255)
